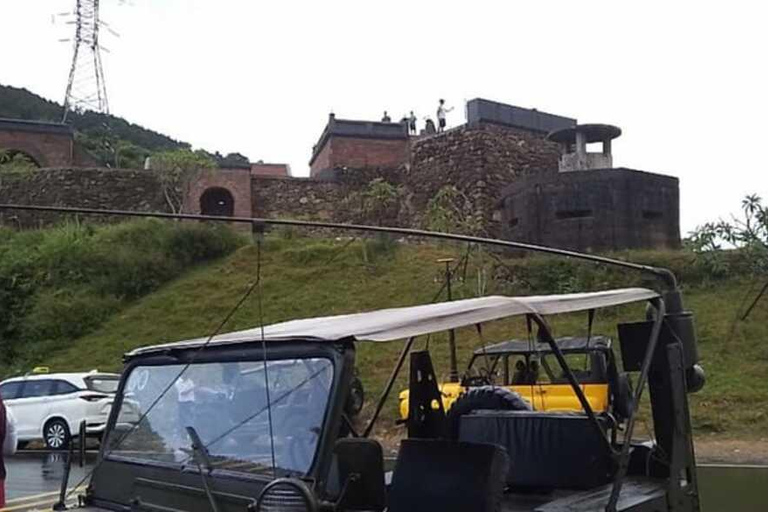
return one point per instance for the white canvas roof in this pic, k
(399, 323)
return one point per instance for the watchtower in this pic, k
(573, 146)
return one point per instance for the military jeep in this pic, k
(255, 420)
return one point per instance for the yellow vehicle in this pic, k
(531, 370)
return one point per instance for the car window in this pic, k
(62, 387)
(578, 362)
(226, 405)
(37, 388)
(102, 383)
(10, 390)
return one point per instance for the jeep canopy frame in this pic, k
(410, 322)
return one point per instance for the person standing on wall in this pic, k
(412, 123)
(441, 111)
(8, 441)
(385, 118)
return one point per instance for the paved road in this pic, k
(34, 479)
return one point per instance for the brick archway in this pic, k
(47, 144)
(217, 201)
(232, 187)
(12, 152)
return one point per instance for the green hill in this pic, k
(303, 277)
(110, 140)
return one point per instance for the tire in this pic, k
(622, 398)
(56, 434)
(484, 397)
(356, 398)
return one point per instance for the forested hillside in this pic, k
(110, 140)
(100, 134)
(78, 297)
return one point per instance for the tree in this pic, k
(234, 160)
(748, 233)
(380, 200)
(450, 211)
(176, 170)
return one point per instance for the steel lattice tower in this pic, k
(85, 88)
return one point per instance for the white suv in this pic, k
(51, 406)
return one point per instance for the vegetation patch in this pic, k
(59, 284)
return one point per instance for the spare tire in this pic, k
(483, 397)
(623, 397)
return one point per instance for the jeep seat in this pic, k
(546, 450)
(448, 476)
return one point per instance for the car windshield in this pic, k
(226, 404)
(102, 383)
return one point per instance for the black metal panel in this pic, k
(423, 420)
(480, 110)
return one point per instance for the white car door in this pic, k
(64, 403)
(31, 408)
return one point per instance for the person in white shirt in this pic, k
(441, 111)
(9, 440)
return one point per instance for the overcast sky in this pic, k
(686, 81)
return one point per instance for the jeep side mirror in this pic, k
(361, 473)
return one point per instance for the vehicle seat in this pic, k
(448, 476)
(546, 450)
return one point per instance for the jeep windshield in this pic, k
(226, 404)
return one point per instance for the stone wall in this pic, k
(479, 161)
(339, 197)
(118, 189)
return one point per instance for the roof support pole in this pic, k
(661, 312)
(547, 335)
(390, 383)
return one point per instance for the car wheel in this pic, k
(56, 435)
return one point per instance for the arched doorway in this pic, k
(217, 201)
(10, 156)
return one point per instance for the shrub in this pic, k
(60, 283)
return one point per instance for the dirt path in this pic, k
(712, 450)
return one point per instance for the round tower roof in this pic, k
(592, 133)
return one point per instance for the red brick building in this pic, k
(46, 144)
(347, 143)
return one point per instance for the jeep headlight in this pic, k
(286, 495)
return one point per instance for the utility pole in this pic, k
(454, 375)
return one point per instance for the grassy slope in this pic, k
(298, 282)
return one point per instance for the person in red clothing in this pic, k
(8, 441)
